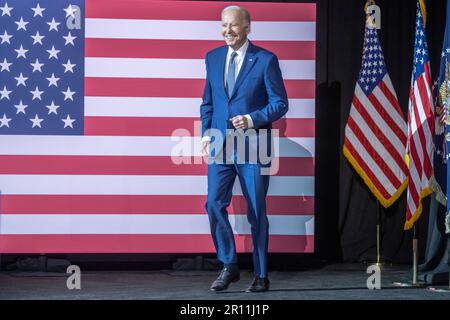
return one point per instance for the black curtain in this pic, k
(346, 210)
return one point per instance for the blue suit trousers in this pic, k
(254, 186)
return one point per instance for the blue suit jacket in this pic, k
(259, 90)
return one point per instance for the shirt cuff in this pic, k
(206, 138)
(249, 120)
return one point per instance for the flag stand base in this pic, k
(414, 283)
(434, 289)
(410, 284)
(383, 264)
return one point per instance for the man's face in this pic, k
(234, 28)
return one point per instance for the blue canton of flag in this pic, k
(41, 67)
(373, 68)
(420, 47)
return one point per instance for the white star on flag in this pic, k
(38, 11)
(53, 25)
(21, 52)
(4, 121)
(53, 80)
(20, 107)
(5, 93)
(21, 80)
(53, 53)
(68, 122)
(37, 66)
(6, 10)
(21, 24)
(68, 94)
(36, 93)
(5, 37)
(69, 39)
(70, 11)
(52, 108)
(5, 65)
(37, 38)
(36, 121)
(68, 66)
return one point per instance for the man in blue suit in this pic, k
(244, 92)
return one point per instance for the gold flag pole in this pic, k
(415, 256)
(380, 261)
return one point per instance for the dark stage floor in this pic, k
(337, 281)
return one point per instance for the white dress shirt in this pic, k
(239, 59)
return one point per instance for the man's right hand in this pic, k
(206, 148)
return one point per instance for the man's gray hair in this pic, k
(244, 11)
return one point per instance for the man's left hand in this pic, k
(240, 122)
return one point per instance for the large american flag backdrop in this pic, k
(90, 93)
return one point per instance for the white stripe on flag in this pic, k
(127, 146)
(179, 68)
(195, 30)
(171, 107)
(429, 94)
(412, 118)
(143, 224)
(139, 185)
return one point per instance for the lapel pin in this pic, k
(250, 59)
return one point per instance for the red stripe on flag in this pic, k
(144, 87)
(175, 88)
(152, 126)
(135, 126)
(130, 165)
(196, 10)
(134, 243)
(431, 108)
(296, 127)
(408, 214)
(391, 98)
(300, 89)
(414, 161)
(427, 76)
(366, 169)
(188, 49)
(142, 204)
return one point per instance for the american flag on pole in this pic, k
(91, 92)
(375, 134)
(420, 124)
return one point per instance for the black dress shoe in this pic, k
(259, 285)
(226, 276)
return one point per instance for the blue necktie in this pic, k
(231, 76)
